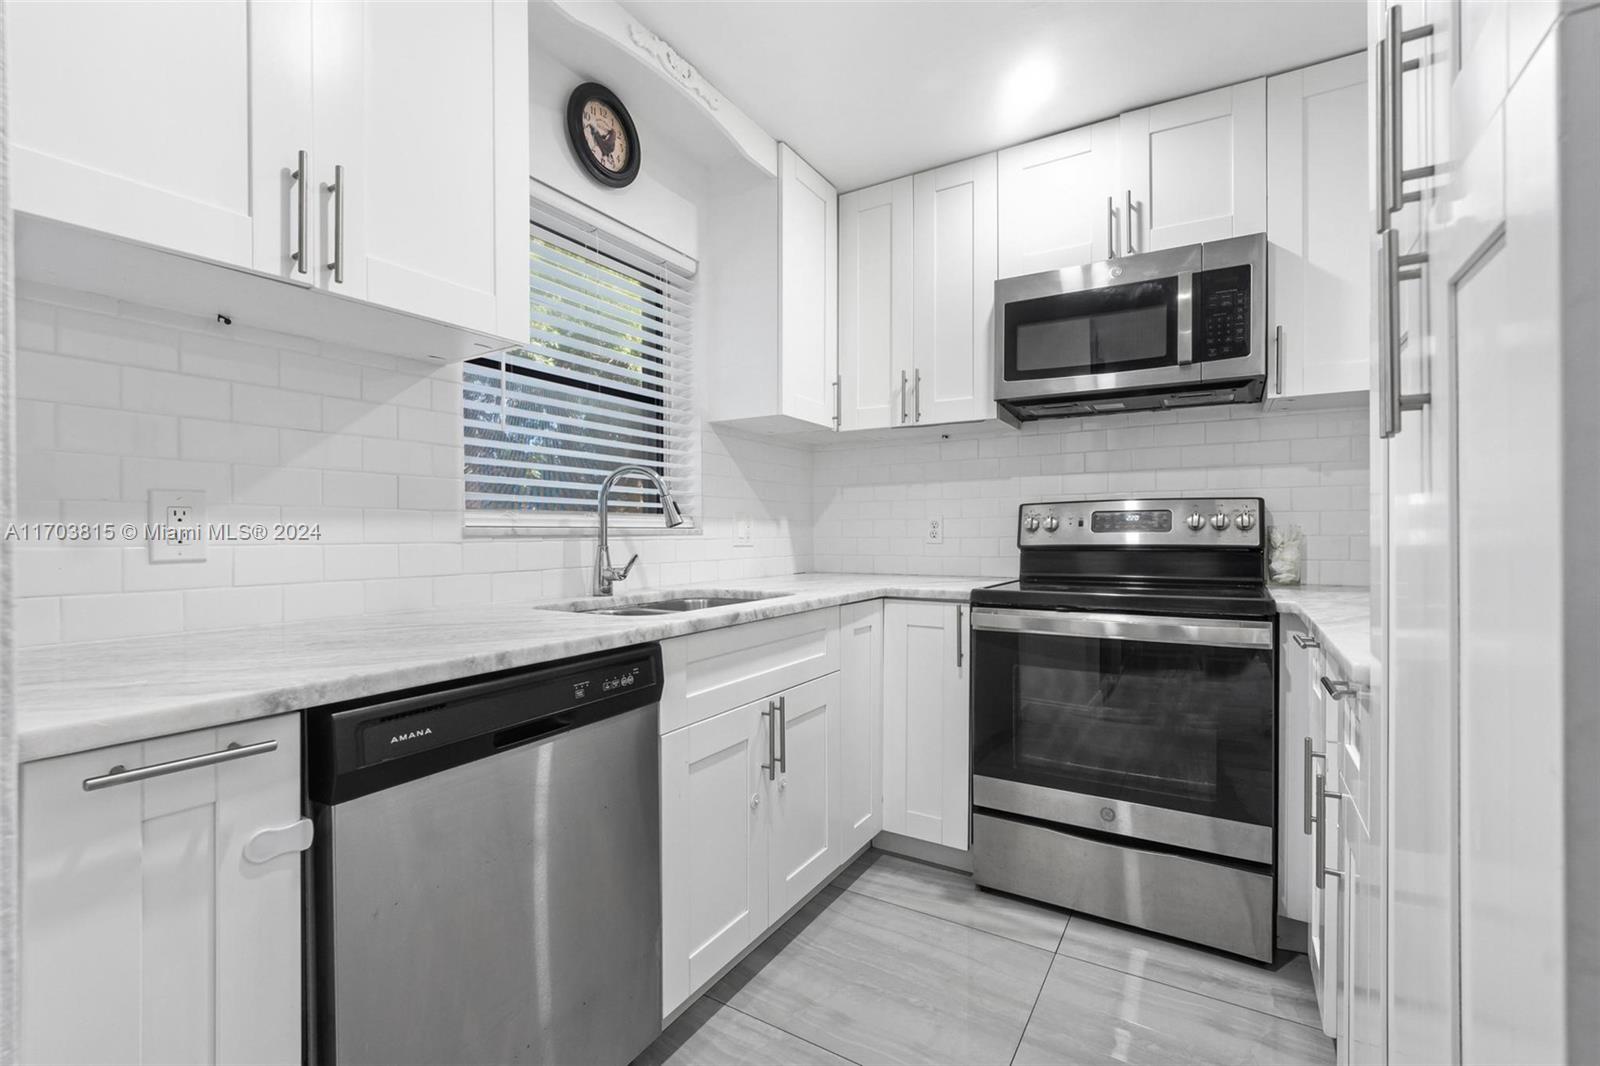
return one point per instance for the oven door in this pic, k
(1159, 728)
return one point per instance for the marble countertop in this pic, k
(76, 697)
(1341, 617)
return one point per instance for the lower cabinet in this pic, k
(926, 762)
(749, 826)
(161, 916)
(860, 776)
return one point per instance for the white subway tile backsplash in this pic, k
(365, 449)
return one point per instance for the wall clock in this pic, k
(602, 135)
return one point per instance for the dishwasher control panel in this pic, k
(356, 750)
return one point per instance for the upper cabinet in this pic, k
(773, 249)
(808, 292)
(177, 125)
(376, 151)
(1194, 169)
(874, 304)
(1058, 205)
(1319, 274)
(951, 374)
(421, 158)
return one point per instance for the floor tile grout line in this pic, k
(785, 1032)
(1037, 996)
(952, 921)
(1203, 995)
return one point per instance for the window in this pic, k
(603, 382)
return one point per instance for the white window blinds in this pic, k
(604, 381)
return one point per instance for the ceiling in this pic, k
(873, 89)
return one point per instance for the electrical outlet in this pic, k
(743, 537)
(177, 531)
(934, 532)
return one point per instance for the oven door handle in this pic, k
(1210, 632)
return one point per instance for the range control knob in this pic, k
(1050, 524)
(1031, 523)
(1196, 521)
(1219, 521)
(1245, 521)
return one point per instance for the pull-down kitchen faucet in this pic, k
(605, 575)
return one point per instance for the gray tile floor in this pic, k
(898, 961)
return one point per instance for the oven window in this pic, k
(1125, 327)
(1181, 726)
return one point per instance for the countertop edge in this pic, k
(1321, 608)
(41, 738)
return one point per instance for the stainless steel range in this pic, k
(1123, 718)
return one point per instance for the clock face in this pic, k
(605, 136)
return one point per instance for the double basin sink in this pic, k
(671, 604)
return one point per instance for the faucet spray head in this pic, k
(669, 507)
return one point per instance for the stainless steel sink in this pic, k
(672, 605)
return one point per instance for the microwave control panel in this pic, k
(1224, 522)
(1222, 305)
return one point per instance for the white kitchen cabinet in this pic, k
(774, 341)
(808, 291)
(424, 106)
(860, 776)
(926, 777)
(1299, 721)
(807, 839)
(1319, 250)
(176, 125)
(1059, 200)
(1325, 947)
(1194, 169)
(954, 215)
(161, 919)
(715, 881)
(153, 141)
(874, 303)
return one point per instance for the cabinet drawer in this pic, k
(708, 673)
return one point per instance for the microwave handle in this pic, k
(1185, 319)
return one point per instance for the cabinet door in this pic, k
(147, 935)
(1058, 204)
(1195, 168)
(954, 268)
(874, 303)
(808, 291)
(1297, 701)
(713, 846)
(926, 776)
(176, 125)
(425, 107)
(1318, 178)
(860, 776)
(1327, 902)
(807, 840)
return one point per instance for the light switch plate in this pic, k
(177, 525)
(933, 533)
(743, 537)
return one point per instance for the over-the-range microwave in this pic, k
(1184, 327)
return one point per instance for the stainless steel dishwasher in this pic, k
(486, 878)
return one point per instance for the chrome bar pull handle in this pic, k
(1388, 337)
(1111, 227)
(337, 188)
(960, 626)
(771, 716)
(1306, 642)
(783, 733)
(1309, 808)
(1339, 690)
(838, 403)
(1127, 211)
(1277, 353)
(903, 415)
(916, 394)
(1399, 36)
(1321, 835)
(121, 775)
(302, 177)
